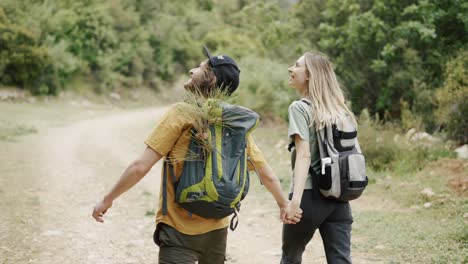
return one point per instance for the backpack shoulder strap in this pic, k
(293, 144)
(167, 165)
(322, 143)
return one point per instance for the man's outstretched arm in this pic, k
(133, 174)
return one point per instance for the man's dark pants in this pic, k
(332, 218)
(178, 248)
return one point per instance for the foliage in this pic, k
(22, 61)
(390, 55)
(389, 51)
(264, 87)
(386, 148)
(452, 98)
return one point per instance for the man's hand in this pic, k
(100, 209)
(133, 174)
(291, 213)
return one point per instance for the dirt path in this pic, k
(51, 180)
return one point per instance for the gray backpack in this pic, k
(343, 171)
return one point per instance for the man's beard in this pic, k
(194, 87)
(190, 85)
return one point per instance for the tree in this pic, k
(452, 98)
(22, 61)
(387, 52)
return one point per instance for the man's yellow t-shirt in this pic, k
(171, 138)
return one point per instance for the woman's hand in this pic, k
(291, 213)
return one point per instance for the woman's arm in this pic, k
(301, 170)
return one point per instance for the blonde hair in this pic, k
(328, 101)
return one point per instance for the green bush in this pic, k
(22, 61)
(376, 143)
(452, 98)
(386, 148)
(264, 87)
(409, 119)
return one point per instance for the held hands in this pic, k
(100, 209)
(291, 213)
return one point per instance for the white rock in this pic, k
(465, 215)
(10, 95)
(410, 133)
(74, 103)
(114, 96)
(423, 136)
(427, 192)
(135, 95)
(462, 152)
(379, 247)
(427, 205)
(86, 103)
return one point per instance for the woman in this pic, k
(323, 104)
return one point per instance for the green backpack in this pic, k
(214, 180)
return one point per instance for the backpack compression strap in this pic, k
(343, 135)
(167, 164)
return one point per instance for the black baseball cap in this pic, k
(226, 71)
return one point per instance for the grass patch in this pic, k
(422, 236)
(9, 130)
(414, 233)
(149, 213)
(407, 232)
(386, 147)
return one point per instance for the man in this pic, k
(184, 237)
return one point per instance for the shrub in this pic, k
(376, 143)
(264, 86)
(452, 98)
(22, 61)
(386, 148)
